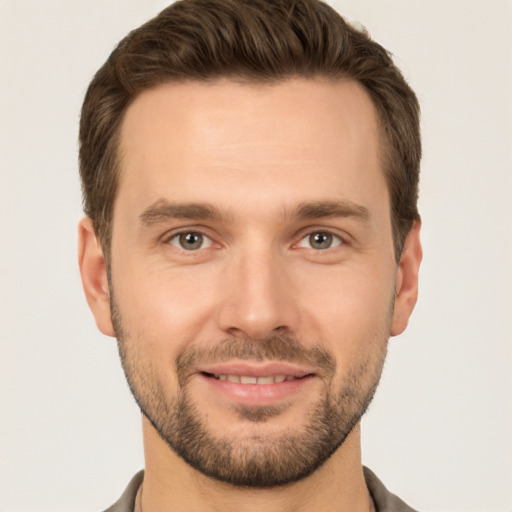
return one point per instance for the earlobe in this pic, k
(94, 276)
(406, 287)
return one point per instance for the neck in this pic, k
(171, 484)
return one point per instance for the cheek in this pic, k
(350, 311)
(165, 308)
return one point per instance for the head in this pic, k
(249, 41)
(250, 177)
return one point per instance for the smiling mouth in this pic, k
(251, 379)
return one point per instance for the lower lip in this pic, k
(258, 394)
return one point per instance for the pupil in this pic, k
(321, 240)
(191, 241)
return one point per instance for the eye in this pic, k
(320, 240)
(190, 241)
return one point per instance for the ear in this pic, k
(406, 290)
(94, 276)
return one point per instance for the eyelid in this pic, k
(175, 233)
(206, 241)
(337, 241)
(342, 237)
(319, 228)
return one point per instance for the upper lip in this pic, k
(256, 369)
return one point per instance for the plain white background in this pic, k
(439, 432)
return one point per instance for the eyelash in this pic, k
(176, 236)
(333, 238)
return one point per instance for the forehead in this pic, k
(203, 141)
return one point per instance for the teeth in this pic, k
(266, 380)
(247, 379)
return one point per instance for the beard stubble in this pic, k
(255, 461)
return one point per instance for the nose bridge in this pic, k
(257, 301)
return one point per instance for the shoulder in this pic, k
(126, 502)
(383, 499)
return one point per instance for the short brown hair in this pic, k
(248, 41)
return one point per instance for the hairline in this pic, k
(385, 147)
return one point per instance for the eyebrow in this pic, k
(163, 210)
(323, 209)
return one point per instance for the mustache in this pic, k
(273, 348)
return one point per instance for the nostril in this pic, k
(253, 317)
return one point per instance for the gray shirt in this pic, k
(384, 501)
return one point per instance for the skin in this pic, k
(256, 153)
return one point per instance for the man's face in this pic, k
(253, 276)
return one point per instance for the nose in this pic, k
(257, 296)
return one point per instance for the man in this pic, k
(250, 174)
